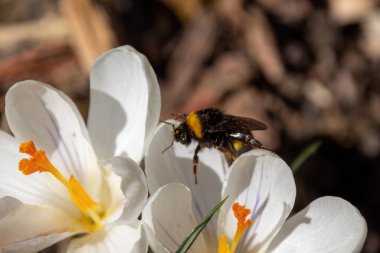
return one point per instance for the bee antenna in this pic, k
(163, 121)
(171, 144)
(168, 123)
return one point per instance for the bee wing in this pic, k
(248, 123)
(231, 123)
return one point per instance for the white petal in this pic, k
(168, 218)
(8, 205)
(33, 189)
(176, 165)
(40, 113)
(262, 182)
(8, 141)
(111, 195)
(133, 186)
(328, 224)
(31, 228)
(35, 244)
(155, 245)
(119, 237)
(125, 103)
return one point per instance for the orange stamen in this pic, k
(241, 214)
(40, 163)
(243, 223)
(28, 148)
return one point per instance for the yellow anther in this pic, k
(79, 195)
(223, 245)
(243, 223)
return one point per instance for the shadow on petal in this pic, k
(105, 124)
(280, 223)
(206, 193)
(302, 219)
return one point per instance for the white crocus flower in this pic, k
(259, 180)
(69, 180)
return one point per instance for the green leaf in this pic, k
(190, 239)
(304, 155)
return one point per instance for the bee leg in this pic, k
(255, 142)
(232, 153)
(247, 139)
(229, 157)
(195, 163)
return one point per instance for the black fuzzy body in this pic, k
(212, 128)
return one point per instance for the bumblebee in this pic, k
(212, 128)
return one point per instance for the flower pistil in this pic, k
(92, 211)
(243, 223)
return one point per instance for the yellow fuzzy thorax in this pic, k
(195, 124)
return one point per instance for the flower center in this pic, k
(92, 212)
(243, 223)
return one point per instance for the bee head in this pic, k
(182, 134)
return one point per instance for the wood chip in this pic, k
(91, 33)
(261, 46)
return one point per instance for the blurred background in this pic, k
(309, 69)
